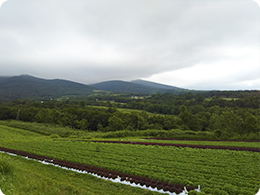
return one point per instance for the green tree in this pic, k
(115, 123)
(44, 116)
(251, 123)
(190, 120)
(231, 122)
(82, 124)
(215, 123)
(171, 122)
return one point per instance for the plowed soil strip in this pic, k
(186, 145)
(137, 181)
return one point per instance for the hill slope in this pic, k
(137, 86)
(122, 87)
(154, 85)
(25, 86)
(3, 78)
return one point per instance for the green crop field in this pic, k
(216, 171)
(195, 142)
(31, 177)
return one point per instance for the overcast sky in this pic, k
(194, 44)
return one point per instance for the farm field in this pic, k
(192, 142)
(126, 110)
(31, 177)
(216, 171)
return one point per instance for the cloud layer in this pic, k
(194, 44)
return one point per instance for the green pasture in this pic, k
(124, 110)
(12, 134)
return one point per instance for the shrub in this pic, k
(86, 137)
(54, 136)
(73, 137)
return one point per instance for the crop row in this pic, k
(163, 138)
(225, 170)
(186, 145)
(247, 144)
(177, 188)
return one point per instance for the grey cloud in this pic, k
(91, 41)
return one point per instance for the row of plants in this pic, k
(231, 172)
(184, 145)
(105, 173)
(253, 144)
(22, 176)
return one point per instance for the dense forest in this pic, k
(226, 115)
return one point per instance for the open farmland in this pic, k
(31, 177)
(216, 171)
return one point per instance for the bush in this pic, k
(54, 136)
(73, 137)
(86, 137)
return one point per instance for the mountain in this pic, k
(26, 86)
(3, 78)
(156, 85)
(122, 87)
(137, 86)
(29, 87)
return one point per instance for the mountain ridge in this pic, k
(154, 84)
(137, 86)
(27, 86)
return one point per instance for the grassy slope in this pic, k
(43, 129)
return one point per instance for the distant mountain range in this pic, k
(137, 86)
(26, 86)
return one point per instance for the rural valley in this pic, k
(173, 141)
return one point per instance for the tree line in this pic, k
(224, 117)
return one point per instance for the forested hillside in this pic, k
(29, 87)
(138, 87)
(220, 117)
